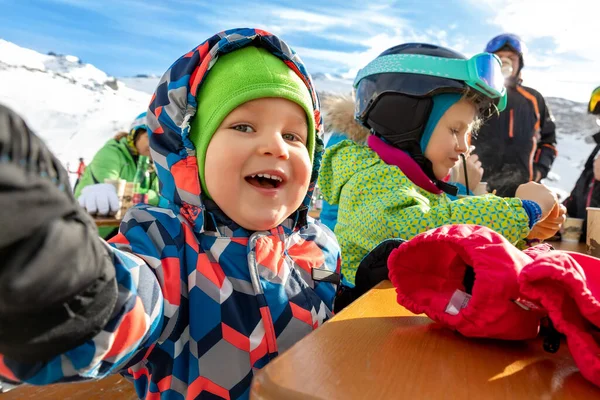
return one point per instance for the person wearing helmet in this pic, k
(420, 103)
(517, 145)
(117, 159)
(586, 192)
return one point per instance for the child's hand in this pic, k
(597, 169)
(548, 227)
(539, 193)
(474, 172)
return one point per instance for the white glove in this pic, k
(100, 199)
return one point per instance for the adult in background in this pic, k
(517, 145)
(79, 171)
(117, 159)
(586, 192)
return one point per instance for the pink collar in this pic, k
(393, 156)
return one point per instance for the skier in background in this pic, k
(79, 171)
(519, 144)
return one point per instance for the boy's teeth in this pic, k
(274, 177)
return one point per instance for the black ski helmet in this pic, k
(396, 106)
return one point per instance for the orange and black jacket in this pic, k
(518, 142)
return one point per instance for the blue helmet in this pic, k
(138, 124)
(507, 41)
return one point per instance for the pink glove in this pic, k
(567, 285)
(432, 271)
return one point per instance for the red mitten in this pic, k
(567, 285)
(431, 274)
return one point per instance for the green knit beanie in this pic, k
(238, 77)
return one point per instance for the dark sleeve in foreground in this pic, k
(57, 280)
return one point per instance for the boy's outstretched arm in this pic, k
(70, 307)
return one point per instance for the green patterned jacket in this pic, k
(378, 202)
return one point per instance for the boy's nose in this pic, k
(274, 145)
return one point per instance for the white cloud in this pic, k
(572, 24)
(568, 70)
(572, 68)
(374, 26)
(347, 59)
(311, 21)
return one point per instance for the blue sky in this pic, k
(129, 37)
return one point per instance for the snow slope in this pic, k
(71, 105)
(76, 107)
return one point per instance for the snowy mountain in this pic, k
(76, 107)
(143, 83)
(573, 126)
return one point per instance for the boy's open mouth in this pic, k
(264, 181)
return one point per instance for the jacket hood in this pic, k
(174, 105)
(339, 111)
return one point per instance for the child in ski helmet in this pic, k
(421, 103)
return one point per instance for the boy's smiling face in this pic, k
(257, 166)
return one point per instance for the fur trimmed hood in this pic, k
(339, 118)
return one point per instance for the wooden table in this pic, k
(114, 388)
(569, 246)
(112, 222)
(376, 349)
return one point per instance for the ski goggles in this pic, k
(482, 72)
(594, 106)
(503, 40)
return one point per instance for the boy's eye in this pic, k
(454, 131)
(291, 137)
(243, 128)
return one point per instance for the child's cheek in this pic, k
(306, 169)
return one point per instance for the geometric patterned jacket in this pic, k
(202, 302)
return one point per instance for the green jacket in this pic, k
(114, 161)
(378, 202)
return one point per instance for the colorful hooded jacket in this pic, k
(202, 303)
(115, 161)
(379, 201)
